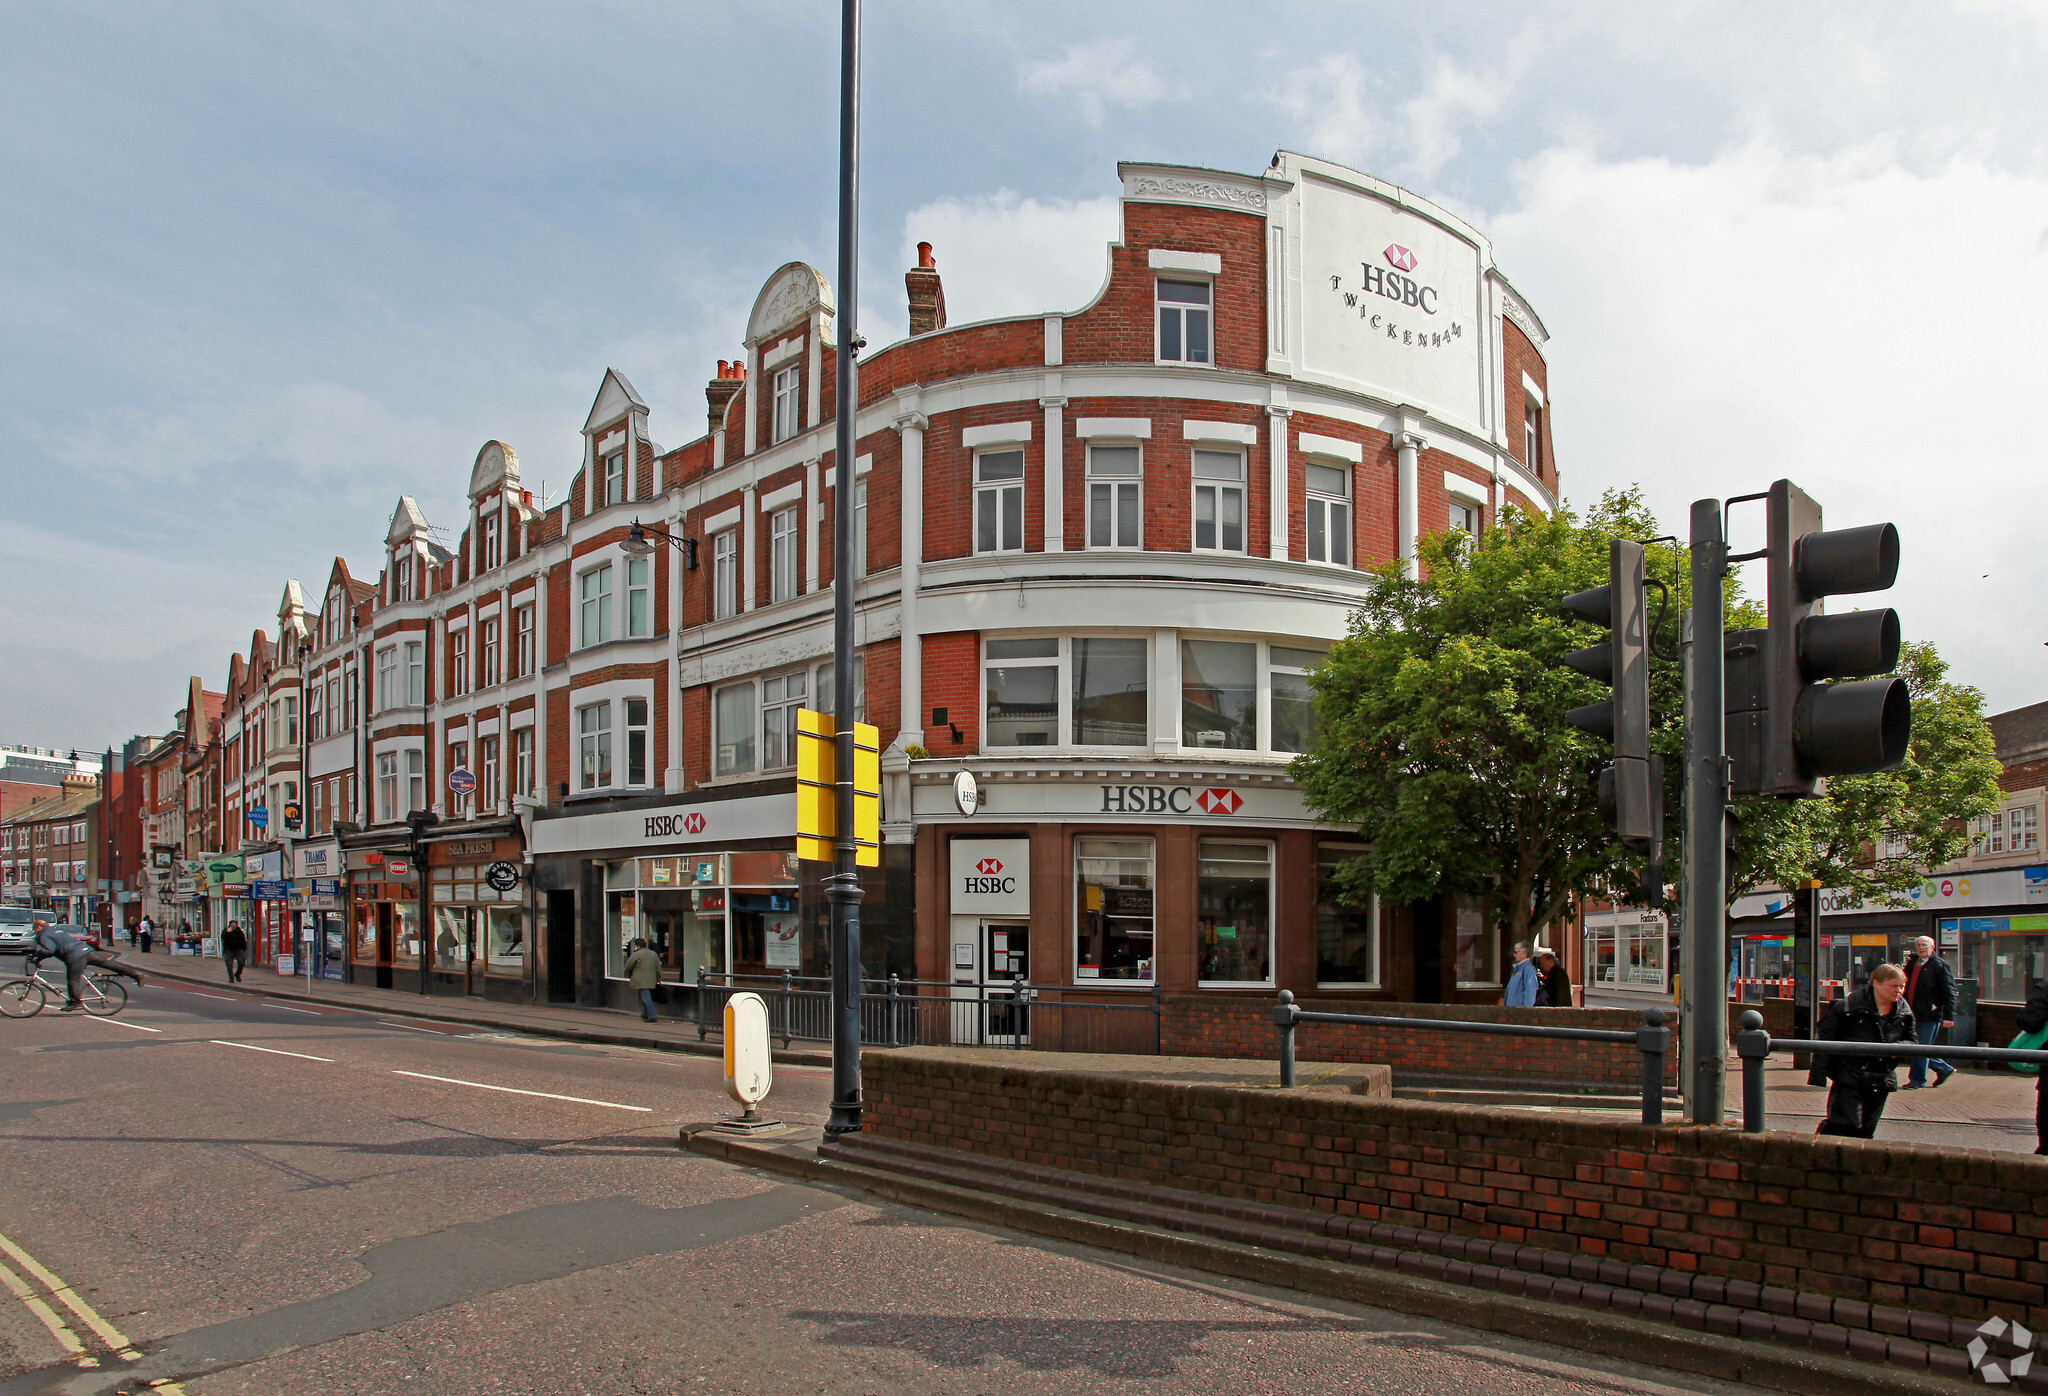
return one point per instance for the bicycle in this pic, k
(101, 994)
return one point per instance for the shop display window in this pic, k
(1234, 913)
(1113, 935)
(506, 926)
(405, 933)
(1347, 927)
(1478, 947)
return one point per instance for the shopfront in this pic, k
(1627, 956)
(383, 912)
(476, 896)
(319, 911)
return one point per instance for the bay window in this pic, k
(387, 677)
(781, 696)
(1294, 708)
(1219, 690)
(732, 736)
(415, 672)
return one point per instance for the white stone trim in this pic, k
(1200, 263)
(722, 520)
(1055, 340)
(1126, 427)
(996, 434)
(1236, 433)
(787, 494)
(861, 466)
(782, 353)
(1334, 448)
(1529, 387)
(1473, 490)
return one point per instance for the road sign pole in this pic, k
(1705, 1016)
(843, 892)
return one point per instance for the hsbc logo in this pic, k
(668, 826)
(1399, 256)
(1168, 799)
(1220, 801)
(693, 824)
(989, 865)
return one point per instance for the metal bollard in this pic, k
(1284, 1016)
(1017, 1000)
(703, 1025)
(788, 1005)
(1753, 1045)
(1653, 1040)
(895, 1013)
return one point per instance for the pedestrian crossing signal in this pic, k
(817, 795)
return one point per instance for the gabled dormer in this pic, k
(337, 605)
(787, 334)
(498, 509)
(294, 625)
(409, 553)
(614, 436)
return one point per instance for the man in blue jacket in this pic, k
(1523, 980)
(76, 952)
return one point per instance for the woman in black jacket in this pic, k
(2033, 1017)
(1858, 1086)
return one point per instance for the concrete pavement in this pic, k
(261, 1196)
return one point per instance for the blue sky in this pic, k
(265, 267)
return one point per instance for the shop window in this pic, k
(732, 718)
(1108, 691)
(504, 939)
(1219, 681)
(1294, 708)
(594, 606)
(615, 478)
(781, 696)
(1627, 951)
(725, 574)
(1329, 515)
(639, 598)
(522, 762)
(1183, 321)
(1478, 947)
(788, 382)
(458, 662)
(1113, 935)
(782, 554)
(1219, 501)
(828, 696)
(1347, 926)
(636, 741)
(1115, 496)
(1234, 912)
(594, 746)
(999, 502)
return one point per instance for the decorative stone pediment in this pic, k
(496, 464)
(788, 299)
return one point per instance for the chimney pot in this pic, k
(924, 255)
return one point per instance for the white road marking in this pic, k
(230, 998)
(119, 1024)
(66, 1296)
(274, 1051)
(410, 1028)
(289, 1009)
(514, 1090)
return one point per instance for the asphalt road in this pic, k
(253, 1199)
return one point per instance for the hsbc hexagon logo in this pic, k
(989, 866)
(1399, 256)
(667, 826)
(693, 824)
(1220, 801)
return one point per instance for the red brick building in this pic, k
(1098, 550)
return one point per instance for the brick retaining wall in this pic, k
(1864, 1228)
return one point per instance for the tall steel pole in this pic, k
(1705, 1017)
(844, 890)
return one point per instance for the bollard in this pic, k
(1753, 1045)
(1017, 1013)
(895, 1012)
(788, 1006)
(1653, 1040)
(1284, 1015)
(703, 1023)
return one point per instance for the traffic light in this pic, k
(1623, 661)
(1788, 725)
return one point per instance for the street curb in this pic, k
(594, 1036)
(1608, 1335)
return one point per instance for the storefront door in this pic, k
(1006, 951)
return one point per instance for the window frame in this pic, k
(1464, 517)
(1162, 307)
(594, 601)
(458, 662)
(1241, 487)
(1061, 662)
(782, 554)
(640, 622)
(1272, 866)
(996, 493)
(785, 404)
(594, 768)
(1321, 502)
(613, 475)
(1139, 983)
(523, 626)
(490, 651)
(1346, 850)
(725, 574)
(1090, 479)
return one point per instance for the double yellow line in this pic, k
(84, 1313)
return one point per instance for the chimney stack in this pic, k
(927, 295)
(719, 391)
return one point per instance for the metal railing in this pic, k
(1754, 1046)
(898, 1012)
(1652, 1039)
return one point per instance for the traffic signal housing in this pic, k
(1818, 698)
(1622, 661)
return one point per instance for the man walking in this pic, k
(147, 933)
(1556, 991)
(234, 950)
(643, 972)
(1931, 994)
(1857, 1086)
(1523, 980)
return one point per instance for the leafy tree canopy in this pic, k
(1443, 741)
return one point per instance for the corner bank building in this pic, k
(1098, 550)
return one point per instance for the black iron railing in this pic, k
(1652, 1039)
(898, 1012)
(1755, 1046)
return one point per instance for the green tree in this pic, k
(1443, 741)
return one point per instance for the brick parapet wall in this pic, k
(1220, 1025)
(1861, 1228)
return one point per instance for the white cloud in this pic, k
(1346, 121)
(1342, 125)
(1005, 255)
(1864, 329)
(1097, 75)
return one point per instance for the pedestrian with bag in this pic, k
(2033, 1036)
(234, 950)
(1931, 994)
(1556, 987)
(146, 932)
(1524, 981)
(1857, 1085)
(643, 972)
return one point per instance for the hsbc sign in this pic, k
(990, 877)
(1169, 799)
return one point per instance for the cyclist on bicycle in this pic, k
(76, 952)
